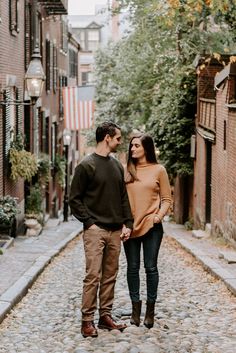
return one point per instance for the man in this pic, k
(98, 198)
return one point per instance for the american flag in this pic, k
(78, 107)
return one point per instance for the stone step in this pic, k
(229, 256)
(6, 242)
(208, 228)
(199, 234)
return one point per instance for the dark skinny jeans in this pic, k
(151, 244)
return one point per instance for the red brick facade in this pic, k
(12, 73)
(43, 123)
(214, 167)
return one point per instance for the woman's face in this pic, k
(137, 150)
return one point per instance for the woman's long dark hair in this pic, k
(149, 150)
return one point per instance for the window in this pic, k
(28, 37)
(82, 39)
(62, 83)
(232, 90)
(87, 78)
(55, 70)
(53, 141)
(64, 34)
(93, 40)
(225, 135)
(90, 78)
(49, 65)
(73, 63)
(14, 16)
(84, 77)
(93, 35)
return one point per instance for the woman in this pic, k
(150, 198)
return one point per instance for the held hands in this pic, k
(156, 219)
(125, 233)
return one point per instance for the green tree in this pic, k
(147, 80)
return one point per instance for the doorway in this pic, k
(208, 181)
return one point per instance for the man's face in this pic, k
(115, 141)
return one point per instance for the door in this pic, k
(208, 181)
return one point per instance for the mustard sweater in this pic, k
(148, 197)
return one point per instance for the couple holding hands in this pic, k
(117, 205)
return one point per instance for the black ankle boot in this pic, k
(149, 316)
(136, 312)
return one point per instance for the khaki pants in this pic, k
(102, 250)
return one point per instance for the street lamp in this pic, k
(34, 79)
(66, 143)
(34, 76)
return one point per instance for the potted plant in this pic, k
(44, 169)
(60, 170)
(33, 211)
(8, 212)
(34, 203)
(23, 163)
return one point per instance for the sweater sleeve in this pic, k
(128, 218)
(78, 187)
(165, 193)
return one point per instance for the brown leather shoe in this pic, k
(88, 329)
(106, 322)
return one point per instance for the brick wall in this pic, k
(199, 190)
(205, 89)
(11, 63)
(224, 173)
(52, 30)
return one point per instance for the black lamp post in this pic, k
(66, 143)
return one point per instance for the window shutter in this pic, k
(19, 111)
(60, 97)
(76, 64)
(6, 127)
(13, 16)
(64, 35)
(28, 39)
(48, 65)
(51, 65)
(65, 81)
(54, 68)
(44, 133)
(17, 16)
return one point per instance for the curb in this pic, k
(19, 289)
(208, 264)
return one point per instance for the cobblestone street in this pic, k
(194, 313)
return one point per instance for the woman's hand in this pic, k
(156, 219)
(125, 233)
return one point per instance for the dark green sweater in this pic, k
(98, 194)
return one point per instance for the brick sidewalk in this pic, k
(22, 263)
(215, 256)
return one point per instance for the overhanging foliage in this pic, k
(147, 79)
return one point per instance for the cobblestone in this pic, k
(195, 312)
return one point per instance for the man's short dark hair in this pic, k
(106, 128)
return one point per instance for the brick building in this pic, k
(214, 195)
(12, 71)
(43, 123)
